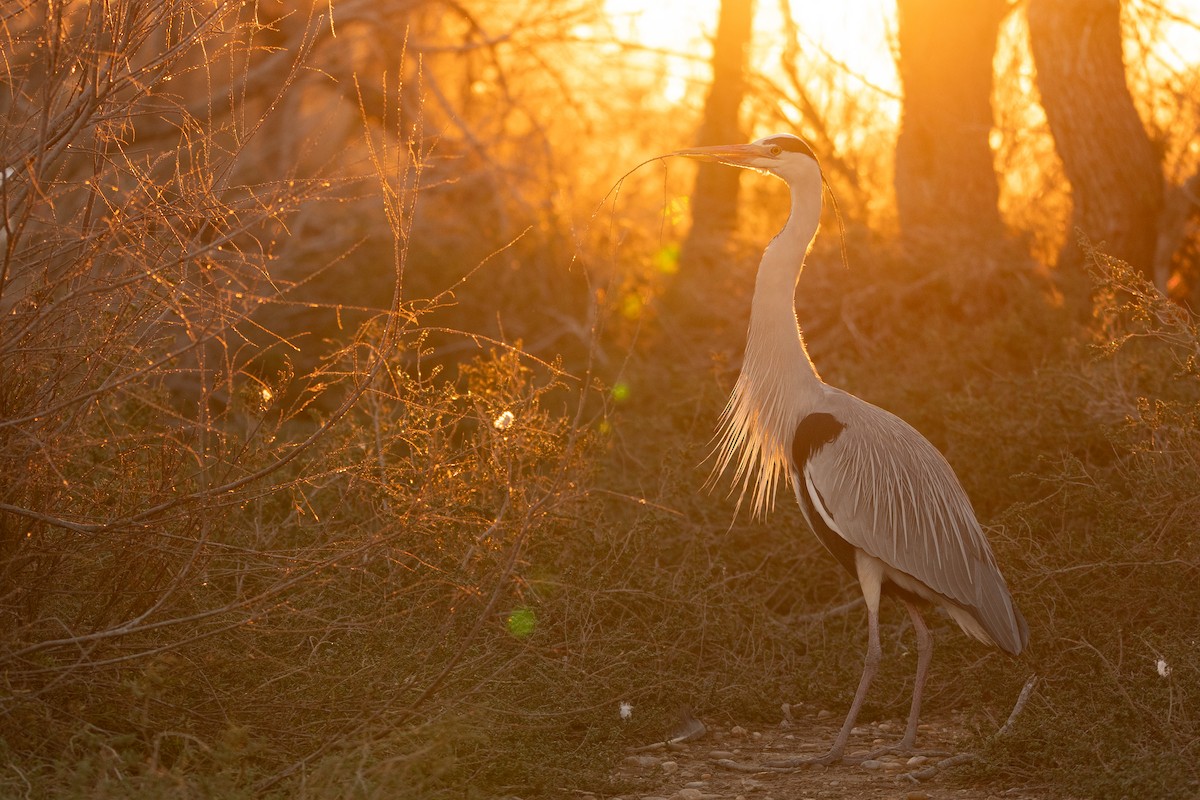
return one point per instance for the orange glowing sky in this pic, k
(853, 31)
(856, 33)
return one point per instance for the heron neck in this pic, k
(775, 346)
(778, 385)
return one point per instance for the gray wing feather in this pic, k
(893, 495)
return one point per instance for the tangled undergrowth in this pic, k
(375, 557)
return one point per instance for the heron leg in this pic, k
(924, 655)
(870, 577)
(870, 668)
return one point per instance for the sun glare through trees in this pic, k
(854, 34)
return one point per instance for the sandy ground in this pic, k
(702, 769)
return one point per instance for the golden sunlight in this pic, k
(853, 34)
(856, 36)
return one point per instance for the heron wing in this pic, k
(881, 486)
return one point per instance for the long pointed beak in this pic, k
(736, 155)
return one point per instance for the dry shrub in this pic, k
(220, 570)
(1114, 558)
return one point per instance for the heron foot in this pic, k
(901, 748)
(832, 757)
(781, 765)
(852, 759)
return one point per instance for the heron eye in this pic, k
(775, 150)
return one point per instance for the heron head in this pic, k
(782, 155)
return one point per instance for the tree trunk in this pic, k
(1115, 175)
(946, 186)
(715, 195)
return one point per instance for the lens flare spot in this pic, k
(666, 260)
(521, 622)
(677, 210)
(631, 306)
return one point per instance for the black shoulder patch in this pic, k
(814, 432)
(792, 144)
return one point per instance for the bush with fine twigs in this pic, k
(243, 553)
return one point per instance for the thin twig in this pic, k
(1022, 699)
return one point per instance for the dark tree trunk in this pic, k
(1115, 175)
(946, 185)
(715, 195)
(1177, 256)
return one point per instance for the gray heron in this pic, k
(876, 493)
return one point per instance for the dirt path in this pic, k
(691, 771)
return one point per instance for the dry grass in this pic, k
(277, 520)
